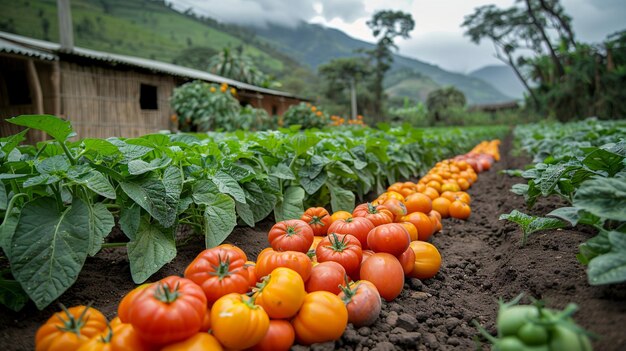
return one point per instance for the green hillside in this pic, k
(132, 27)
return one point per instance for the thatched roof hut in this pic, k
(102, 94)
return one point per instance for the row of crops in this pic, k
(583, 163)
(61, 198)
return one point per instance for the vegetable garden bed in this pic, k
(482, 261)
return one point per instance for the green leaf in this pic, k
(282, 171)
(260, 199)
(137, 167)
(603, 197)
(152, 194)
(53, 165)
(311, 186)
(4, 200)
(302, 142)
(152, 248)
(11, 142)
(291, 206)
(12, 295)
(550, 177)
(531, 224)
(607, 269)
(130, 219)
(245, 213)
(569, 214)
(49, 248)
(101, 223)
(519, 189)
(94, 181)
(55, 127)
(220, 218)
(203, 192)
(40, 180)
(598, 245)
(313, 168)
(228, 185)
(7, 230)
(341, 199)
(603, 160)
(130, 151)
(100, 146)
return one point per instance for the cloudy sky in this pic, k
(437, 37)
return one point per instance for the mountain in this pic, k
(314, 44)
(503, 78)
(152, 29)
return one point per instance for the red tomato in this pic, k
(69, 329)
(281, 293)
(396, 207)
(250, 267)
(291, 235)
(378, 214)
(357, 226)
(362, 301)
(237, 322)
(279, 337)
(427, 260)
(236, 248)
(343, 249)
(407, 260)
(326, 276)
(322, 317)
(198, 342)
(318, 219)
(366, 254)
(169, 310)
(268, 260)
(386, 273)
(219, 271)
(391, 238)
(127, 301)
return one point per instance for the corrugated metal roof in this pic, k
(35, 45)
(13, 48)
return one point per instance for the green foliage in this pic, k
(441, 101)
(60, 199)
(305, 115)
(234, 64)
(585, 164)
(531, 224)
(202, 106)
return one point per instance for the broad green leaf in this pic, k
(618, 241)
(312, 168)
(607, 269)
(241, 174)
(261, 200)
(203, 192)
(512, 172)
(101, 223)
(152, 248)
(7, 229)
(603, 197)
(220, 218)
(569, 214)
(151, 194)
(55, 127)
(603, 160)
(228, 185)
(531, 224)
(12, 176)
(550, 177)
(12, 295)
(302, 142)
(245, 213)
(291, 206)
(100, 146)
(49, 248)
(343, 170)
(53, 165)
(519, 189)
(40, 180)
(130, 218)
(11, 142)
(4, 200)
(593, 247)
(137, 167)
(94, 181)
(130, 151)
(282, 171)
(311, 186)
(341, 199)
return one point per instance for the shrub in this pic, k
(306, 115)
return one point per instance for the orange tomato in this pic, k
(340, 215)
(322, 317)
(418, 203)
(69, 329)
(431, 193)
(442, 205)
(410, 227)
(237, 322)
(199, 342)
(460, 210)
(427, 260)
(424, 225)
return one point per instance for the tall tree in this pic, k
(236, 65)
(344, 73)
(386, 25)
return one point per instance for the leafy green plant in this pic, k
(531, 224)
(584, 163)
(305, 115)
(60, 198)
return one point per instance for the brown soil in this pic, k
(482, 261)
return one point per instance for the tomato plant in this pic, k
(322, 317)
(291, 235)
(385, 272)
(343, 249)
(169, 310)
(318, 219)
(280, 293)
(237, 322)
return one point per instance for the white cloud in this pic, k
(437, 37)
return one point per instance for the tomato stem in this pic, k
(165, 294)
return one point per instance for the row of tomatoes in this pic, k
(321, 272)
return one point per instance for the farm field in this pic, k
(482, 260)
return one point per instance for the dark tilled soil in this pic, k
(482, 261)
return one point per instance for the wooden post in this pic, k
(55, 79)
(66, 33)
(35, 89)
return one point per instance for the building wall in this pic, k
(103, 102)
(273, 105)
